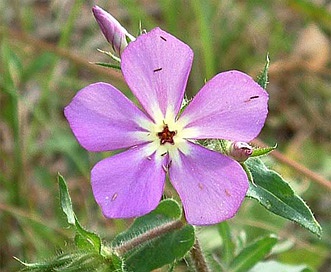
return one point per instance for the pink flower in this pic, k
(158, 141)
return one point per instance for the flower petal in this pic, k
(210, 185)
(102, 119)
(230, 106)
(128, 184)
(156, 68)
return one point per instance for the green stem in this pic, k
(198, 258)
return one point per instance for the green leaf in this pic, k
(84, 239)
(262, 79)
(163, 249)
(276, 195)
(65, 201)
(227, 251)
(168, 210)
(77, 261)
(248, 172)
(252, 254)
(273, 266)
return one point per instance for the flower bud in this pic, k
(240, 151)
(112, 30)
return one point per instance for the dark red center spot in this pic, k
(166, 136)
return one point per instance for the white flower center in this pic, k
(166, 136)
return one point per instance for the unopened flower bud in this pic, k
(112, 30)
(240, 151)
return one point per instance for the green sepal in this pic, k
(218, 145)
(109, 54)
(185, 103)
(261, 151)
(262, 79)
(108, 65)
(84, 239)
(252, 254)
(161, 250)
(277, 196)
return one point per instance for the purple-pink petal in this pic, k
(129, 184)
(103, 119)
(156, 67)
(210, 185)
(230, 106)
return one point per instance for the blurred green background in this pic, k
(47, 50)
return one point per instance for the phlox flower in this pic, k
(158, 141)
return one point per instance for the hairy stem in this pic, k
(198, 258)
(147, 236)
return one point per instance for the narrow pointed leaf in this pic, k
(227, 242)
(84, 239)
(276, 195)
(252, 254)
(65, 201)
(76, 261)
(262, 79)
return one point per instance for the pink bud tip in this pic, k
(240, 151)
(111, 29)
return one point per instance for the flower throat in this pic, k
(166, 136)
